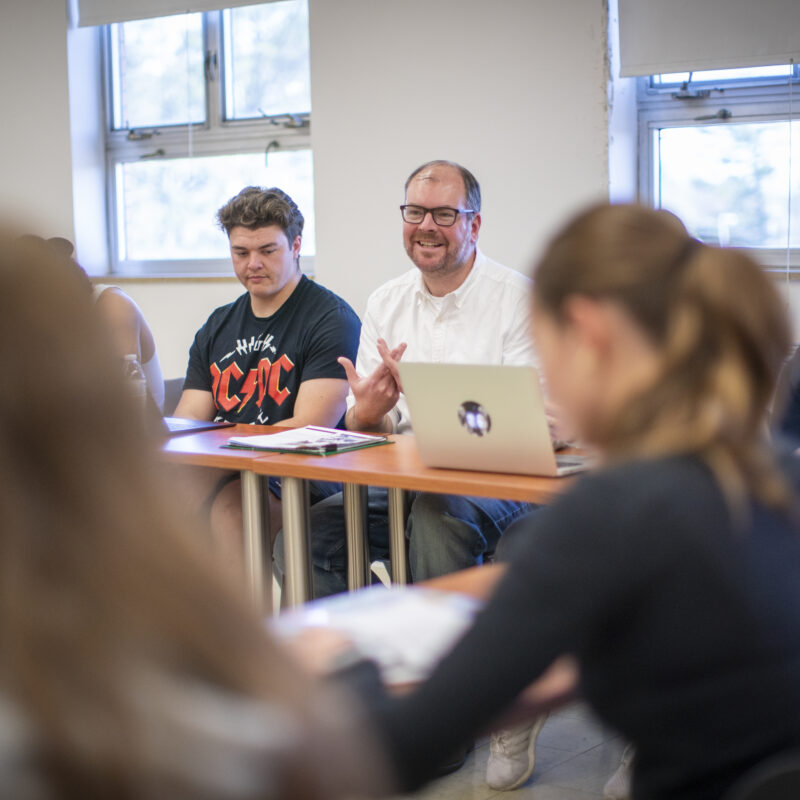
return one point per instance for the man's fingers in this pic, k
(395, 353)
(392, 354)
(383, 348)
(349, 369)
(398, 351)
(391, 365)
(387, 355)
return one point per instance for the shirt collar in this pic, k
(457, 296)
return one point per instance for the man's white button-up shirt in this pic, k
(485, 321)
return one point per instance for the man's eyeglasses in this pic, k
(442, 215)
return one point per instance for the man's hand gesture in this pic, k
(375, 394)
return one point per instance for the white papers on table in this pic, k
(309, 437)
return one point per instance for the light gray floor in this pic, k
(575, 756)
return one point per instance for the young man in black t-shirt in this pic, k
(269, 357)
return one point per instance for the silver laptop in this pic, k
(482, 417)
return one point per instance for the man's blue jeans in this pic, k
(445, 533)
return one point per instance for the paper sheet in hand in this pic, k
(406, 630)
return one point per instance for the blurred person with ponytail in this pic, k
(129, 667)
(671, 574)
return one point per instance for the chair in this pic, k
(173, 388)
(777, 778)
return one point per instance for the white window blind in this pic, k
(662, 36)
(104, 12)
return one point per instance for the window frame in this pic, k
(748, 100)
(216, 136)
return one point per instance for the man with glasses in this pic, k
(454, 306)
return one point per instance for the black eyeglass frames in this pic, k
(442, 215)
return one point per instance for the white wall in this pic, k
(35, 155)
(513, 89)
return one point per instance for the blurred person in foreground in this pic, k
(671, 573)
(129, 667)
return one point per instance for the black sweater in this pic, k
(686, 627)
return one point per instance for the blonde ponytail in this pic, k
(715, 317)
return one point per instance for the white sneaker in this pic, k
(618, 786)
(512, 756)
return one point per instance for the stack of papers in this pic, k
(405, 630)
(311, 440)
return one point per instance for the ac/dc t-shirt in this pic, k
(253, 366)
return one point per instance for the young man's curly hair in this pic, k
(255, 207)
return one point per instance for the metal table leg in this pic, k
(398, 511)
(355, 519)
(296, 540)
(256, 534)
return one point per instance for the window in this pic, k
(718, 149)
(200, 106)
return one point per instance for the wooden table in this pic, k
(398, 468)
(395, 466)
